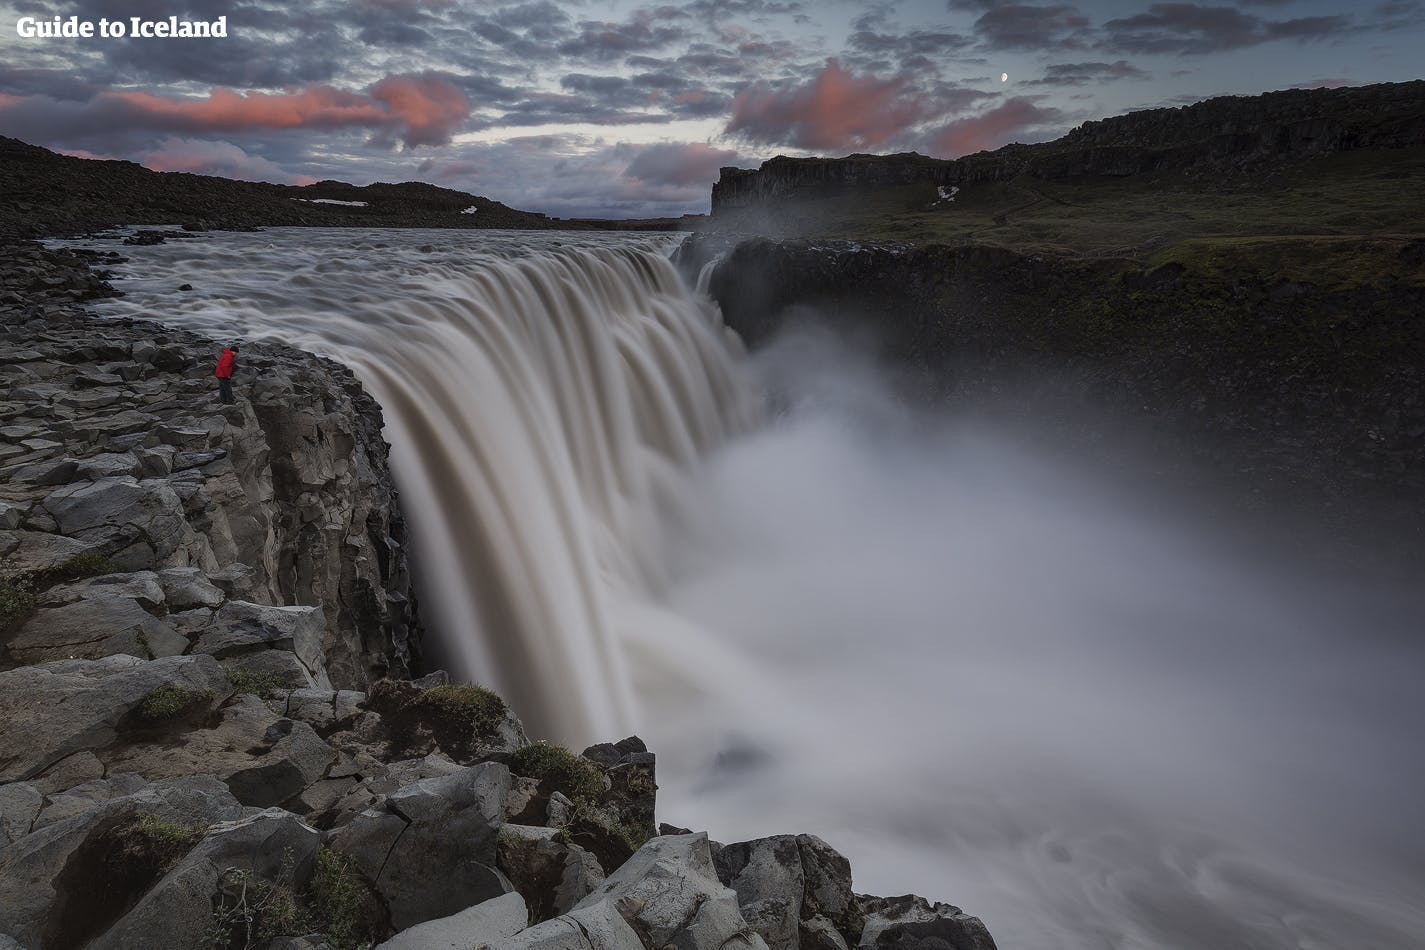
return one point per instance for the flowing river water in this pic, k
(979, 669)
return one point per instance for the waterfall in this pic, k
(544, 402)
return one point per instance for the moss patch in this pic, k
(170, 701)
(558, 769)
(474, 707)
(259, 683)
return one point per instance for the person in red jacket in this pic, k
(224, 371)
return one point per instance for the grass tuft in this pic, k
(171, 700)
(559, 769)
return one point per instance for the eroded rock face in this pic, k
(913, 923)
(116, 457)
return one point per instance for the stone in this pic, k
(141, 587)
(272, 845)
(187, 587)
(51, 877)
(553, 876)
(669, 893)
(429, 848)
(265, 759)
(242, 627)
(19, 807)
(767, 876)
(913, 923)
(106, 465)
(49, 712)
(95, 626)
(486, 924)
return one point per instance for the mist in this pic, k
(1009, 678)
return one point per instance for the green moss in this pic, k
(153, 843)
(258, 682)
(474, 707)
(590, 813)
(17, 602)
(558, 768)
(338, 898)
(171, 700)
(88, 564)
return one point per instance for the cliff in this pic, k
(1226, 135)
(208, 732)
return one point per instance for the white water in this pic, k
(969, 664)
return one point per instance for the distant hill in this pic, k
(42, 193)
(1201, 142)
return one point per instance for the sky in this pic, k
(627, 108)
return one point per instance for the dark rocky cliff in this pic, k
(1230, 133)
(1312, 384)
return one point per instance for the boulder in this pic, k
(98, 625)
(486, 924)
(913, 923)
(51, 711)
(240, 627)
(553, 875)
(273, 847)
(669, 894)
(430, 847)
(795, 890)
(187, 587)
(62, 888)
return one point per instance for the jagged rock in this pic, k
(913, 923)
(264, 758)
(632, 781)
(98, 625)
(79, 798)
(468, 727)
(143, 520)
(142, 587)
(176, 913)
(187, 587)
(429, 848)
(795, 890)
(50, 878)
(240, 628)
(599, 927)
(48, 712)
(669, 894)
(486, 924)
(553, 876)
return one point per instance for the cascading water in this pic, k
(544, 401)
(987, 673)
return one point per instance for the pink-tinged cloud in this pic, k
(836, 110)
(1012, 121)
(203, 157)
(671, 163)
(429, 107)
(417, 110)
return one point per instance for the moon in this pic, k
(1004, 77)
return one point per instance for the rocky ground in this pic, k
(208, 732)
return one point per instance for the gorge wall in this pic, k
(1313, 385)
(1226, 134)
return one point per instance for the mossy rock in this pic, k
(171, 701)
(560, 770)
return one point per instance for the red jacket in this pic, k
(224, 369)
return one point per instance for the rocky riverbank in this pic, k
(209, 736)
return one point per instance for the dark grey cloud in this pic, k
(1083, 74)
(1185, 28)
(1024, 26)
(645, 31)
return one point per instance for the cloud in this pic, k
(1186, 28)
(1082, 74)
(418, 110)
(1022, 26)
(835, 110)
(679, 164)
(217, 158)
(1017, 119)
